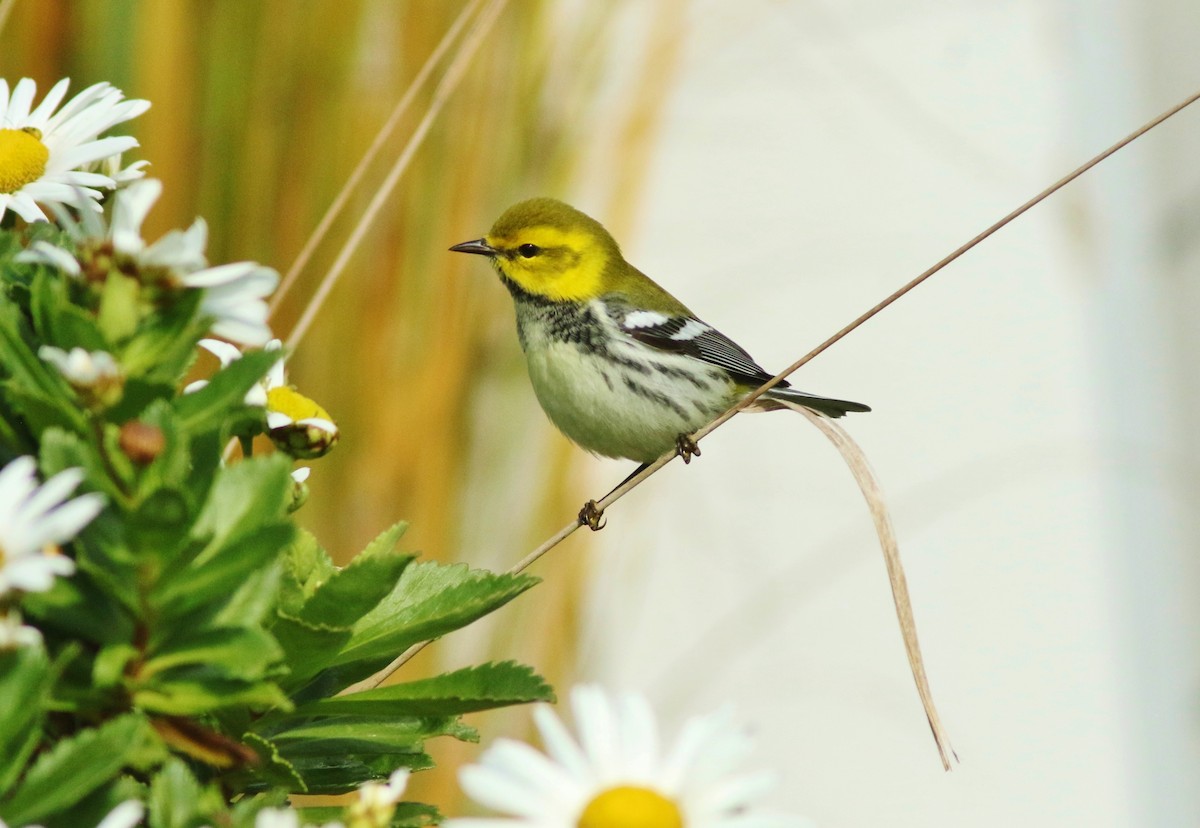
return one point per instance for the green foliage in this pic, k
(195, 657)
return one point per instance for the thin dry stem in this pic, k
(442, 93)
(6, 7)
(869, 484)
(339, 202)
(635, 481)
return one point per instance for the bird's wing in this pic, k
(689, 336)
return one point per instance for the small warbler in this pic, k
(619, 365)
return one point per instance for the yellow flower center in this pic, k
(294, 404)
(23, 158)
(629, 807)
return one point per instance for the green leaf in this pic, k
(307, 567)
(349, 594)
(253, 493)
(210, 580)
(252, 602)
(27, 372)
(307, 648)
(209, 408)
(42, 411)
(64, 450)
(337, 735)
(243, 653)
(95, 806)
(464, 691)
(193, 696)
(25, 675)
(430, 601)
(339, 774)
(72, 769)
(171, 468)
(272, 767)
(178, 800)
(164, 346)
(77, 607)
(386, 540)
(118, 314)
(57, 320)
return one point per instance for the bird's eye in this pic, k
(529, 250)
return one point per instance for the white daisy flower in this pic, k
(80, 367)
(44, 154)
(615, 775)
(14, 634)
(376, 801)
(34, 520)
(125, 815)
(121, 176)
(233, 297)
(94, 374)
(295, 423)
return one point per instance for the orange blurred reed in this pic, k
(260, 111)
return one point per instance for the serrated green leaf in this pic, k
(342, 774)
(350, 593)
(273, 768)
(194, 696)
(25, 675)
(178, 800)
(464, 691)
(307, 566)
(71, 770)
(243, 653)
(385, 541)
(429, 601)
(336, 735)
(307, 648)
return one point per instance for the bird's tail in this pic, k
(821, 405)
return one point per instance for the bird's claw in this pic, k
(591, 516)
(686, 448)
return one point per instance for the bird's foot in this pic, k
(591, 516)
(686, 448)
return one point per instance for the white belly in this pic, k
(623, 411)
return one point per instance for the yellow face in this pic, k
(559, 264)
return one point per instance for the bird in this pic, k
(618, 364)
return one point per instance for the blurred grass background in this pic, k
(260, 111)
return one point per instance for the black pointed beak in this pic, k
(480, 247)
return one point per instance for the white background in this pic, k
(1033, 423)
